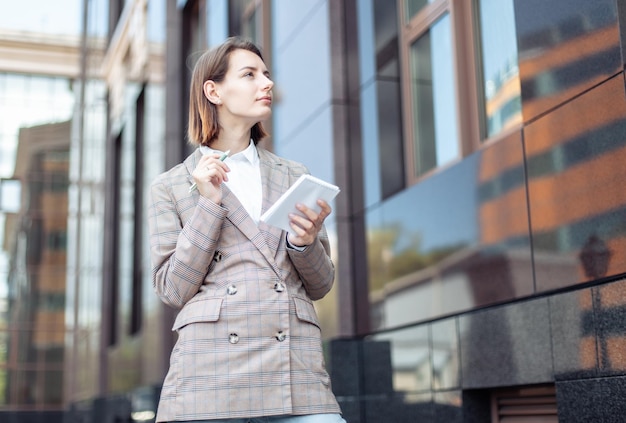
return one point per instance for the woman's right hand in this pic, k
(209, 175)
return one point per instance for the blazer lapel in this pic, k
(275, 183)
(191, 162)
(240, 218)
(265, 238)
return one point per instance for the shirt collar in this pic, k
(250, 153)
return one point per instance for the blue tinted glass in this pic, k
(434, 107)
(367, 53)
(500, 73)
(156, 21)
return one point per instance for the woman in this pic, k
(249, 342)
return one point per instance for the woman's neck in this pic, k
(235, 141)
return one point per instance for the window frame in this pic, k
(479, 102)
(465, 56)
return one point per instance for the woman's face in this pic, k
(245, 93)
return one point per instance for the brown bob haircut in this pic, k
(204, 126)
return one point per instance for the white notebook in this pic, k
(306, 190)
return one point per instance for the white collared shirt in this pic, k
(244, 178)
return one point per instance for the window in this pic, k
(138, 216)
(194, 35)
(194, 41)
(431, 109)
(460, 76)
(501, 92)
(250, 19)
(381, 99)
(111, 261)
(56, 240)
(116, 7)
(435, 135)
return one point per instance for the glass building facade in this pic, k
(477, 237)
(35, 130)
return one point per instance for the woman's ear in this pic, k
(210, 92)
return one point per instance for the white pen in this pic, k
(222, 158)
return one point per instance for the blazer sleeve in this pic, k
(314, 266)
(181, 254)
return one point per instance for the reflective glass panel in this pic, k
(576, 195)
(565, 49)
(409, 354)
(414, 6)
(435, 134)
(500, 73)
(35, 135)
(457, 240)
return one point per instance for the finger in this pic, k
(216, 173)
(326, 209)
(217, 165)
(303, 222)
(211, 159)
(298, 236)
(309, 213)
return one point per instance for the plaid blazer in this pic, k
(249, 341)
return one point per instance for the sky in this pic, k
(49, 16)
(59, 17)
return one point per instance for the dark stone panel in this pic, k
(350, 409)
(609, 317)
(573, 335)
(344, 366)
(592, 400)
(575, 159)
(111, 409)
(476, 406)
(398, 409)
(564, 47)
(32, 417)
(508, 345)
(376, 371)
(446, 407)
(403, 408)
(360, 367)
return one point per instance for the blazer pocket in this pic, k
(205, 310)
(306, 311)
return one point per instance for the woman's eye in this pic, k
(248, 74)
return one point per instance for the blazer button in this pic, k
(280, 336)
(279, 287)
(233, 338)
(231, 290)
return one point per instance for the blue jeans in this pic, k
(311, 418)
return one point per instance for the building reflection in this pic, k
(36, 238)
(547, 206)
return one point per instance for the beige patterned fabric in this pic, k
(249, 341)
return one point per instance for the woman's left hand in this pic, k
(305, 228)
